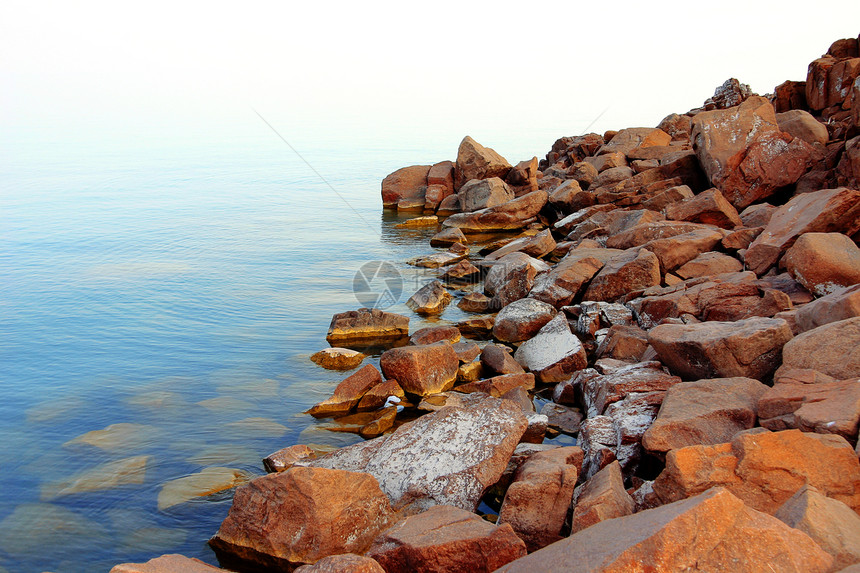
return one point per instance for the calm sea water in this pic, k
(179, 285)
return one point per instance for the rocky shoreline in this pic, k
(682, 301)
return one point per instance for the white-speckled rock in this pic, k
(522, 319)
(554, 353)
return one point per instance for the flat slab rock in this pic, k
(449, 457)
(366, 324)
(171, 563)
(689, 535)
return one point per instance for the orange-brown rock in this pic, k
(624, 343)
(475, 302)
(709, 264)
(563, 284)
(447, 237)
(677, 126)
(338, 358)
(537, 502)
(499, 385)
(824, 211)
(302, 515)
(508, 268)
(421, 370)
(408, 183)
(634, 269)
(474, 161)
(764, 468)
(642, 234)
(446, 538)
(512, 215)
(602, 497)
(789, 95)
(344, 563)
(376, 397)
(432, 334)
(826, 408)
(366, 325)
(802, 124)
(675, 251)
(432, 298)
(689, 535)
(498, 359)
(284, 458)
(536, 245)
(607, 161)
(629, 139)
(448, 457)
(839, 305)
(482, 193)
(708, 207)
(348, 393)
(832, 349)
(522, 319)
(823, 262)
(749, 347)
(172, 563)
(554, 353)
(480, 327)
(834, 526)
(598, 392)
(523, 177)
(704, 412)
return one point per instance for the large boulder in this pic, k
(832, 349)
(830, 523)
(449, 457)
(745, 155)
(634, 269)
(708, 207)
(554, 353)
(446, 538)
(302, 515)
(522, 319)
(601, 497)
(537, 502)
(823, 262)
(348, 393)
(421, 370)
(749, 347)
(764, 468)
(713, 531)
(365, 325)
(482, 193)
(824, 211)
(704, 412)
(474, 161)
(839, 305)
(407, 184)
(800, 123)
(826, 408)
(512, 215)
(506, 268)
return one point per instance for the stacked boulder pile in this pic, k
(683, 304)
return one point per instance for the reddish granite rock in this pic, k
(433, 334)
(824, 211)
(406, 183)
(690, 535)
(802, 124)
(348, 393)
(447, 237)
(446, 538)
(474, 161)
(817, 82)
(482, 193)
(677, 126)
(537, 502)
(823, 262)
(631, 138)
(635, 269)
(708, 264)
(278, 518)
(284, 458)
(479, 327)
(554, 353)
(536, 245)
(498, 359)
(344, 563)
(740, 239)
(598, 438)
(508, 267)
(839, 305)
(764, 468)
(825, 408)
(677, 250)
(830, 523)
(421, 370)
(665, 198)
(475, 302)
(523, 177)
(598, 392)
(607, 161)
(704, 412)
(366, 325)
(376, 397)
(448, 457)
(563, 284)
(467, 351)
(758, 215)
(601, 497)
(833, 349)
(497, 386)
(338, 358)
(514, 214)
(584, 174)
(642, 234)
(789, 95)
(432, 298)
(613, 176)
(708, 207)
(172, 563)
(623, 343)
(522, 319)
(749, 347)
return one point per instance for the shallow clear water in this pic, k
(180, 287)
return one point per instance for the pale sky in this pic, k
(399, 67)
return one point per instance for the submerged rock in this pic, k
(167, 564)
(106, 476)
(206, 482)
(123, 436)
